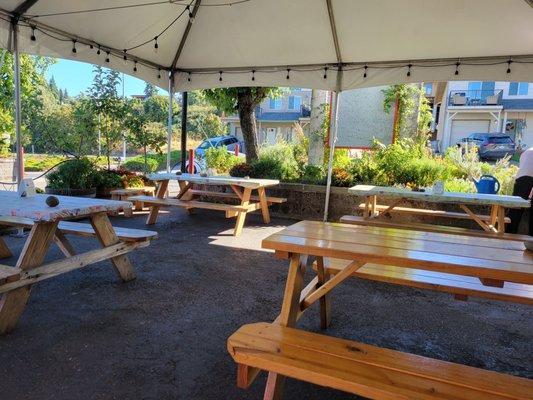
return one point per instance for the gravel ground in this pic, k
(85, 335)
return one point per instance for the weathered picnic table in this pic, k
(188, 196)
(495, 222)
(50, 224)
(502, 266)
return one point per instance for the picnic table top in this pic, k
(489, 258)
(35, 207)
(446, 197)
(215, 180)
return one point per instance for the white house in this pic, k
(483, 106)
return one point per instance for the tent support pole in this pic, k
(169, 124)
(332, 141)
(184, 101)
(18, 118)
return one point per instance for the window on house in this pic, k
(428, 88)
(518, 88)
(295, 103)
(480, 90)
(275, 104)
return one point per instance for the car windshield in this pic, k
(205, 145)
(500, 140)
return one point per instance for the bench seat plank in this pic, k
(453, 230)
(7, 272)
(227, 195)
(84, 229)
(365, 370)
(438, 281)
(432, 213)
(149, 200)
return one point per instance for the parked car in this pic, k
(490, 145)
(199, 153)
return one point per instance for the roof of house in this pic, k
(517, 104)
(279, 116)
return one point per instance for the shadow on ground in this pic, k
(84, 335)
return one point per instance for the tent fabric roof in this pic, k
(277, 38)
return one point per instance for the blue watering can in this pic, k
(487, 184)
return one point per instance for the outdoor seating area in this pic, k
(273, 235)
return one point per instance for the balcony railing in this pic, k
(475, 98)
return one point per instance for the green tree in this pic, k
(405, 99)
(109, 107)
(156, 108)
(243, 100)
(143, 133)
(149, 90)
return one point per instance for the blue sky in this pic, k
(77, 77)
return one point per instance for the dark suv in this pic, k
(490, 145)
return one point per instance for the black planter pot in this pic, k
(71, 192)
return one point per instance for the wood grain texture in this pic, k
(365, 370)
(422, 250)
(215, 180)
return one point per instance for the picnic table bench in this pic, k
(126, 193)
(50, 224)
(495, 222)
(341, 251)
(190, 198)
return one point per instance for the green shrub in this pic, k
(314, 175)
(266, 168)
(108, 179)
(280, 159)
(242, 170)
(73, 174)
(220, 159)
(366, 170)
(136, 164)
(39, 163)
(459, 185)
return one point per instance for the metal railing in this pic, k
(475, 98)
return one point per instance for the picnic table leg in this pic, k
(12, 303)
(106, 235)
(241, 215)
(264, 204)
(154, 210)
(325, 303)
(64, 245)
(501, 220)
(288, 317)
(4, 250)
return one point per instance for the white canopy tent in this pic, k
(323, 44)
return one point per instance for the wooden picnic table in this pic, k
(188, 197)
(49, 224)
(495, 222)
(365, 370)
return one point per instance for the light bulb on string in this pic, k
(135, 66)
(509, 66)
(288, 73)
(74, 50)
(125, 57)
(156, 45)
(325, 72)
(189, 77)
(253, 74)
(33, 38)
(365, 73)
(191, 16)
(98, 51)
(159, 73)
(457, 68)
(220, 76)
(107, 56)
(409, 69)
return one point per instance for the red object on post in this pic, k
(237, 149)
(21, 164)
(191, 161)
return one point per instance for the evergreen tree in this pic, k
(149, 90)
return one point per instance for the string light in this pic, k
(74, 50)
(457, 67)
(409, 69)
(159, 73)
(509, 66)
(253, 74)
(91, 46)
(135, 66)
(125, 57)
(288, 73)
(189, 77)
(107, 56)
(33, 38)
(366, 69)
(191, 16)
(325, 72)
(98, 51)
(220, 76)
(156, 45)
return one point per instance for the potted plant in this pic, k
(74, 177)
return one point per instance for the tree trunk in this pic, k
(246, 107)
(316, 129)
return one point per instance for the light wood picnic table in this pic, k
(187, 198)
(492, 261)
(15, 282)
(495, 222)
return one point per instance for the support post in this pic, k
(184, 97)
(16, 57)
(332, 141)
(170, 117)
